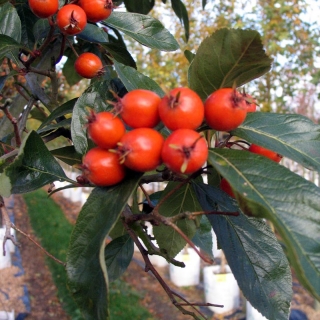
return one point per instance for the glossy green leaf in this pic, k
(228, 57)
(28, 19)
(181, 12)
(266, 189)
(8, 46)
(144, 29)
(118, 255)
(189, 55)
(203, 236)
(184, 199)
(86, 267)
(61, 111)
(41, 29)
(142, 6)
(33, 168)
(91, 99)
(133, 79)
(10, 23)
(65, 123)
(93, 33)
(120, 53)
(253, 254)
(291, 135)
(68, 155)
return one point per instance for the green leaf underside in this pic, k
(203, 236)
(269, 190)
(93, 33)
(235, 55)
(86, 268)
(291, 135)
(144, 29)
(118, 255)
(132, 79)
(33, 168)
(181, 12)
(253, 254)
(182, 200)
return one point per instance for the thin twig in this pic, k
(149, 267)
(38, 245)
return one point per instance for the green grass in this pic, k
(53, 230)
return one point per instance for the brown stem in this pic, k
(13, 120)
(149, 267)
(38, 245)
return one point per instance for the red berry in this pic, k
(274, 156)
(225, 109)
(96, 10)
(44, 8)
(141, 148)
(105, 129)
(102, 167)
(181, 109)
(184, 151)
(71, 19)
(88, 65)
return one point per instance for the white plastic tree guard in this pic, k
(252, 313)
(215, 251)
(190, 274)
(5, 261)
(221, 288)
(5, 315)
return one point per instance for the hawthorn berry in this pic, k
(225, 109)
(140, 149)
(184, 151)
(102, 167)
(182, 108)
(71, 19)
(44, 8)
(105, 129)
(88, 65)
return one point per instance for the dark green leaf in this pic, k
(63, 123)
(68, 155)
(132, 79)
(41, 29)
(253, 254)
(204, 2)
(28, 19)
(189, 55)
(33, 168)
(291, 135)
(145, 29)
(266, 189)
(93, 33)
(120, 53)
(10, 23)
(64, 109)
(118, 255)
(8, 46)
(203, 236)
(142, 6)
(184, 199)
(181, 12)
(86, 268)
(228, 57)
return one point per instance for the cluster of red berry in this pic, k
(142, 148)
(71, 19)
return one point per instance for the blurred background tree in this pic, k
(290, 32)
